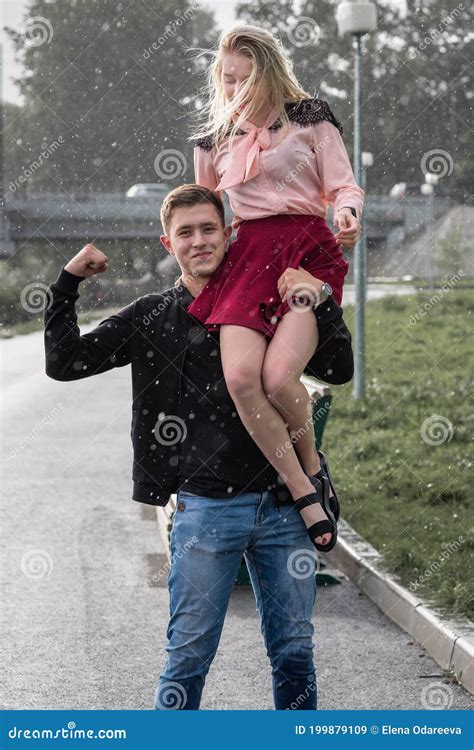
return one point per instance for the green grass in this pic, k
(410, 499)
(37, 324)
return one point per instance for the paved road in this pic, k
(81, 627)
(376, 291)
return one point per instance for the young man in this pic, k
(188, 438)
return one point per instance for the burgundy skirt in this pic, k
(243, 291)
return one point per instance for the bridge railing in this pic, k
(113, 215)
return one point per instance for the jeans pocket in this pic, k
(184, 493)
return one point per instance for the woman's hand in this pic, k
(349, 228)
(299, 283)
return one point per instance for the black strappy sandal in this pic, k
(324, 472)
(329, 525)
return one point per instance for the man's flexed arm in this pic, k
(70, 356)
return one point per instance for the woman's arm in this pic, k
(334, 169)
(204, 170)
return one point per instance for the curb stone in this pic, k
(449, 643)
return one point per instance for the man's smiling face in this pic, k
(198, 239)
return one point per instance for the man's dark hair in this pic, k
(188, 195)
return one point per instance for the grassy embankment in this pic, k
(403, 458)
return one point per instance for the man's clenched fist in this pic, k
(87, 262)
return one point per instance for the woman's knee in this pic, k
(243, 380)
(279, 382)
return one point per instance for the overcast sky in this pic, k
(12, 14)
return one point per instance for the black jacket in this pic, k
(151, 335)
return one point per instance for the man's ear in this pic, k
(227, 232)
(165, 241)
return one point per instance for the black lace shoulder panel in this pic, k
(304, 113)
(308, 112)
(207, 143)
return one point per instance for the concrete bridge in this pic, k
(50, 216)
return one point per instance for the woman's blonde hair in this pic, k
(272, 78)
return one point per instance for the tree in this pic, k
(116, 82)
(417, 92)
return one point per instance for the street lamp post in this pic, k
(431, 180)
(367, 159)
(6, 246)
(357, 18)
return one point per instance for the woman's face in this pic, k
(236, 70)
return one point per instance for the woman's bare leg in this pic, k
(288, 353)
(242, 353)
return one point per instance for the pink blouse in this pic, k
(288, 170)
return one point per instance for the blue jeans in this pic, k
(208, 539)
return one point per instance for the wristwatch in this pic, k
(326, 291)
(352, 210)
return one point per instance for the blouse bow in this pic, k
(245, 158)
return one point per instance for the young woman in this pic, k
(278, 154)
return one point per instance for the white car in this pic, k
(148, 190)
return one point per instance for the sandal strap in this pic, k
(319, 528)
(324, 472)
(327, 547)
(311, 499)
